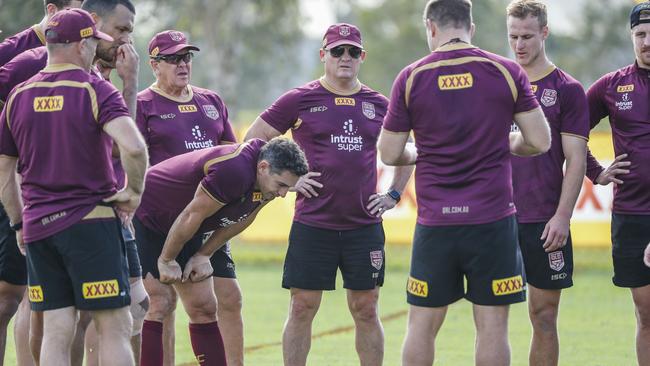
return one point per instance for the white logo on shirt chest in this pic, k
(549, 97)
(211, 111)
(201, 140)
(625, 104)
(320, 108)
(349, 140)
(168, 116)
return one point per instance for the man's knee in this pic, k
(230, 302)
(113, 322)
(641, 297)
(303, 306)
(201, 308)
(544, 318)
(8, 307)
(364, 308)
(160, 306)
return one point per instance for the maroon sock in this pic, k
(151, 352)
(207, 344)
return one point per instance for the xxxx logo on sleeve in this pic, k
(507, 286)
(100, 289)
(417, 287)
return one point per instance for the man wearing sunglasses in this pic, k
(175, 118)
(337, 222)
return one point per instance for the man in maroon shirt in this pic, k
(195, 203)
(622, 95)
(33, 37)
(466, 227)
(544, 195)
(337, 223)
(62, 197)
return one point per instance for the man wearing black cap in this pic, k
(337, 223)
(60, 125)
(622, 95)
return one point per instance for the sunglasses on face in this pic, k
(354, 52)
(176, 59)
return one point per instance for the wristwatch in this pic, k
(394, 194)
(16, 227)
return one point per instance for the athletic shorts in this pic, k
(135, 269)
(150, 244)
(82, 266)
(487, 256)
(315, 254)
(630, 236)
(13, 265)
(549, 271)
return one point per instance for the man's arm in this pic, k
(188, 222)
(556, 231)
(534, 137)
(262, 130)
(394, 149)
(133, 153)
(198, 267)
(9, 189)
(127, 65)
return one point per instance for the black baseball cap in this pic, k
(635, 15)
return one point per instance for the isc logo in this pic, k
(345, 101)
(187, 108)
(625, 88)
(257, 196)
(48, 104)
(457, 81)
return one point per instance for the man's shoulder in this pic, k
(202, 93)
(616, 76)
(368, 93)
(146, 95)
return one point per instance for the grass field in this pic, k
(596, 320)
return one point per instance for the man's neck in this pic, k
(452, 35)
(174, 91)
(538, 68)
(342, 85)
(641, 65)
(43, 24)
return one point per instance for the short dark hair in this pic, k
(58, 3)
(521, 9)
(455, 13)
(104, 7)
(284, 154)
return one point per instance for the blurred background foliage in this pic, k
(254, 50)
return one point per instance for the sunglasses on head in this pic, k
(354, 52)
(176, 58)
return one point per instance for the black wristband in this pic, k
(16, 227)
(394, 194)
